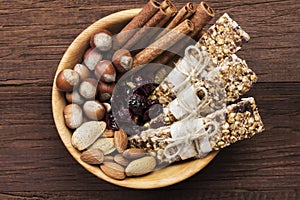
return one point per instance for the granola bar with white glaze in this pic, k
(190, 67)
(226, 84)
(223, 39)
(173, 143)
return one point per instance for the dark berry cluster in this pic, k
(140, 105)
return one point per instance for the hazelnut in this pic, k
(88, 88)
(74, 97)
(83, 71)
(67, 80)
(122, 60)
(105, 90)
(94, 110)
(91, 58)
(73, 116)
(107, 107)
(102, 40)
(105, 71)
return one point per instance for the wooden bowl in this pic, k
(163, 177)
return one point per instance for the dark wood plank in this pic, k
(175, 194)
(39, 33)
(34, 159)
(34, 164)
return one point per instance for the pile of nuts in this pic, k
(88, 90)
(108, 149)
(89, 86)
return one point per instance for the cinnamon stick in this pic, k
(166, 3)
(138, 21)
(184, 13)
(145, 33)
(162, 44)
(176, 49)
(204, 13)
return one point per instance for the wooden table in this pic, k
(34, 163)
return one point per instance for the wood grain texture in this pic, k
(34, 164)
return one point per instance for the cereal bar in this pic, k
(196, 138)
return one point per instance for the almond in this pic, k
(113, 170)
(108, 159)
(108, 133)
(133, 153)
(121, 140)
(141, 166)
(87, 134)
(121, 160)
(106, 145)
(92, 156)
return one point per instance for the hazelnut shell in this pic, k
(74, 97)
(102, 40)
(107, 107)
(122, 60)
(94, 110)
(67, 80)
(88, 88)
(105, 90)
(83, 71)
(73, 116)
(105, 71)
(91, 58)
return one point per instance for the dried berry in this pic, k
(147, 89)
(111, 122)
(248, 107)
(241, 109)
(137, 104)
(145, 117)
